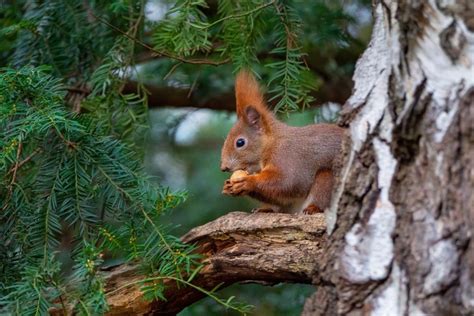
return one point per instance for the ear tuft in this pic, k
(247, 92)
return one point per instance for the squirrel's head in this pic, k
(246, 142)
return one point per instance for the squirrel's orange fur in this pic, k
(291, 169)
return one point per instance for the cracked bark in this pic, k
(402, 217)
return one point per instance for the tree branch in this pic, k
(163, 96)
(238, 247)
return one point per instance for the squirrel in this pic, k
(289, 169)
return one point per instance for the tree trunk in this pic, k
(402, 216)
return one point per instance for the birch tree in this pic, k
(402, 217)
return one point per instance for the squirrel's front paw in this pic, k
(239, 186)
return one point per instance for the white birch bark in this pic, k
(402, 216)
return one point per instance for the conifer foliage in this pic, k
(71, 151)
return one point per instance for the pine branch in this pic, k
(162, 53)
(292, 87)
(236, 16)
(19, 163)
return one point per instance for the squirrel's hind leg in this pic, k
(319, 196)
(312, 209)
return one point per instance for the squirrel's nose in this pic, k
(225, 168)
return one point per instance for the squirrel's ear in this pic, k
(252, 117)
(250, 102)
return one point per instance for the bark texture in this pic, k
(238, 247)
(402, 216)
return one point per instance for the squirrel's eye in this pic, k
(240, 142)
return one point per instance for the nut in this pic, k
(239, 174)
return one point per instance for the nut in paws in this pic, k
(239, 186)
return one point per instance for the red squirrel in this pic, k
(289, 169)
